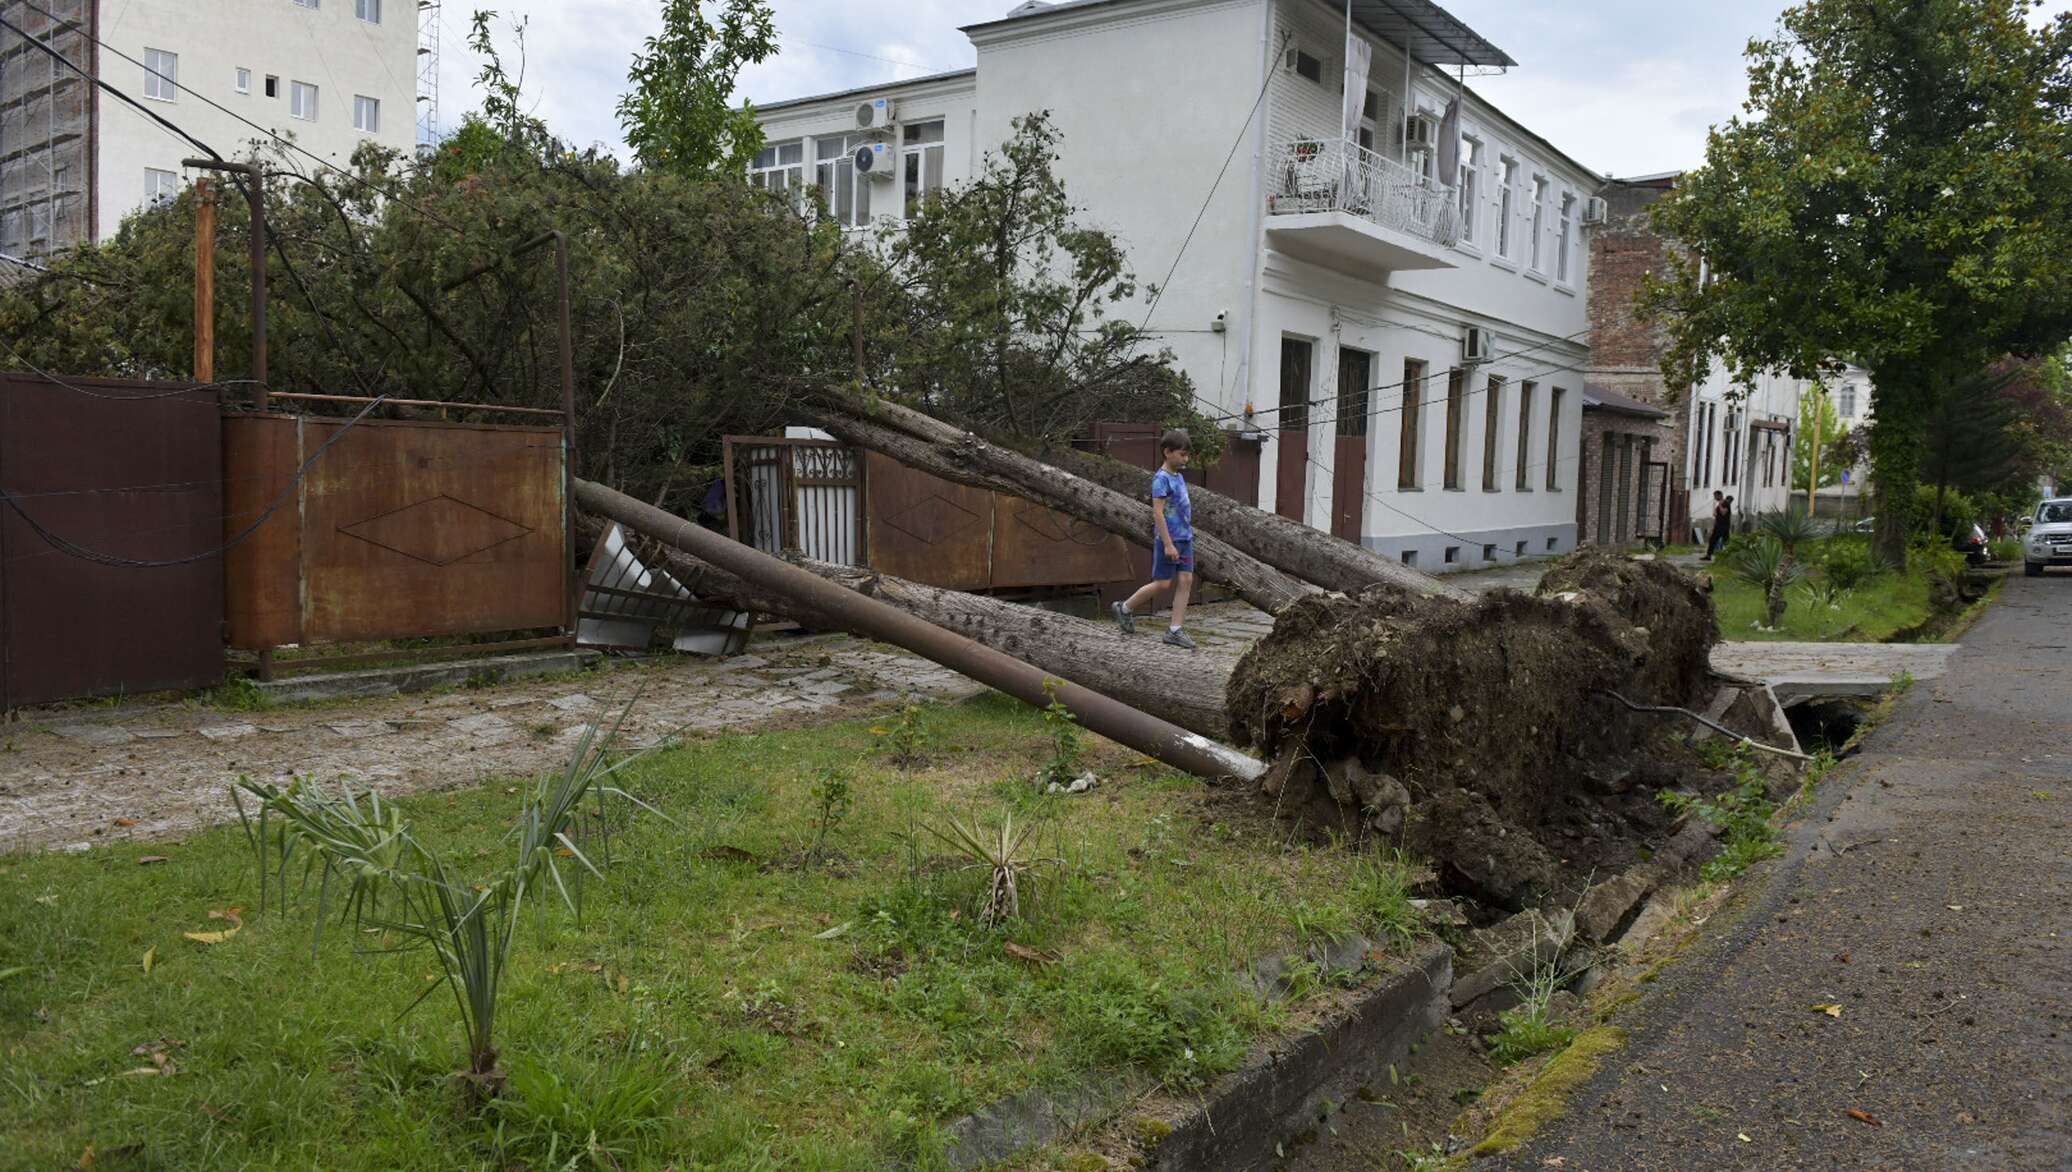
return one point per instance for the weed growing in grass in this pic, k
(1379, 896)
(1117, 1014)
(906, 738)
(1743, 811)
(239, 694)
(597, 1116)
(1526, 1030)
(1321, 924)
(1067, 744)
(832, 801)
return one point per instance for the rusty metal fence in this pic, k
(804, 494)
(114, 505)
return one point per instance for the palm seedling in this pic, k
(397, 888)
(1765, 563)
(999, 854)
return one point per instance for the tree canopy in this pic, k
(1898, 192)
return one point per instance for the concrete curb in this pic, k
(1247, 1112)
(418, 677)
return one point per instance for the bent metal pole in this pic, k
(867, 616)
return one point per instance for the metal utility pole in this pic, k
(255, 198)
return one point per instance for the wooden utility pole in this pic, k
(205, 281)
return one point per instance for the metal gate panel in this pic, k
(401, 529)
(929, 529)
(129, 469)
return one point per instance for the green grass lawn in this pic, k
(722, 1004)
(1873, 612)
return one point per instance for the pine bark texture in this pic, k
(940, 449)
(1310, 554)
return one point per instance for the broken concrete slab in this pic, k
(574, 702)
(100, 736)
(228, 732)
(1509, 951)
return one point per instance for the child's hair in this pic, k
(1175, 441)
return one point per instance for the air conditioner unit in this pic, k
(1477, 345)
(875, 114)
(1419, 132)
(875, 161)
(1595, 210)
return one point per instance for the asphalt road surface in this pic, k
(1928, 895)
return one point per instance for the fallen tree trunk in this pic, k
(846, 610)
(1290, 546)
(923, 442)
(1185, 687)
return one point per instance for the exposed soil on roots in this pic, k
(1476, 732)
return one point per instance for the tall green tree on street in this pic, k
(679, 116)
(1898, 192)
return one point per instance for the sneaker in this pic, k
(1178, 638)
(1123, 618)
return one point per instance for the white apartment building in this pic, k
(1405, 345)
(1741, 444)
(330, 74)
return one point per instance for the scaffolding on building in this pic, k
(46, 128)
(428, 21)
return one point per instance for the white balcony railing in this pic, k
(1331, 175)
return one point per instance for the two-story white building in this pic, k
(1405, 342)
(74, 160)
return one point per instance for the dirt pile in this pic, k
(1473, 732)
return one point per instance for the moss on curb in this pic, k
(1546, 1099)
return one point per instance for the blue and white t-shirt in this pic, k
(1171, 487)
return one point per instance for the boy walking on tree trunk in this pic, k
(1172, 544)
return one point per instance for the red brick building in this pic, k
(1634, 459)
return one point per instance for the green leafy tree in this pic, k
(1013, 306)
(1898, 192)
(678, 116)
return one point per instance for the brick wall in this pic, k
(1625, 351)
(1627, 444)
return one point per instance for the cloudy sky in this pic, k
(1626, 86)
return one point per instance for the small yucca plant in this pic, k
(1767, 564)
(396, 886)
(999, 853)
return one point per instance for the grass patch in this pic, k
(760, 985)
(1871, 612)
(1546, 1099)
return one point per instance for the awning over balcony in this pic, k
(1432, 34)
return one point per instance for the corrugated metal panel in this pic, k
(128, 469)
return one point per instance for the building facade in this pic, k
(1406, 345)
(328, 74)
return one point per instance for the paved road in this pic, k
(1929, 894)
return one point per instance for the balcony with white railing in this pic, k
(1340, 205)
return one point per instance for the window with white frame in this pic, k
(366, 113)
(161, 74)
(1470, 186)
(1846, 400)
(302, 100)
(1505, 234)
(368, 10)
(1539, 215)
(1371, 109)
(244, 80)
(779, 167)
(1562, 232)
(834, 173)
(921, 153)
(160, 187)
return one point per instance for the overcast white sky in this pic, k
(1626, 86)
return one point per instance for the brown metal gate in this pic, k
(104, 477)
(403, 529)
(1652, 523)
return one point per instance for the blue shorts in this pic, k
(1163, 568)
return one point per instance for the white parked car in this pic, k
(2049, 541)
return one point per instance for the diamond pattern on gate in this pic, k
(932, 520)
(439, 531)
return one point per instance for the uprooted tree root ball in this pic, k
(1476, 732)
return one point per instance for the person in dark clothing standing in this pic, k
(1718, 536)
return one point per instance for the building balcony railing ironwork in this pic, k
(1306, 176)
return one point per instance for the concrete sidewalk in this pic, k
(1928, 894)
